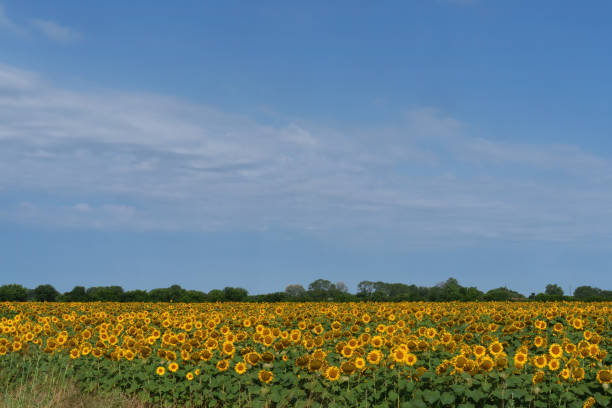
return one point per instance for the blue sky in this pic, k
(261, 144)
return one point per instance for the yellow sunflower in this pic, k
(332, 373)
(496, 348)
(554, 364)
(222, 365)
(519, 360)
(265, 376)
(604, 376)
(410, 359)
(540, 361)
(555, 350)
(240, 368)
(374, 357)
(359, 363)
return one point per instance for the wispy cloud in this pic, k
(126, 160)
(6, 23)
(56, 32)
(460, 2)
(50, 29)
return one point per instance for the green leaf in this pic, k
(427, 376)
(466, 405)
(518, 393)
(417, 403)
(513, 382)
(431, 396)
(447, 398)
(602, 400)
(581, 389)
(459, 389)
(475, 395)
(406, 385)
(275, 396)
(568, 396)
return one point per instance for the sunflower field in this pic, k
(319, 354)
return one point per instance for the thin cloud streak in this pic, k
(142, 161)
(49, 28)
(55, 31)
(6, 23)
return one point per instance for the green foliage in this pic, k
(553, 290)
(77, 294)
(45, 293)
(13, 293)
(319, 290)
(234, 294)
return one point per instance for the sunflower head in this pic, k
(222, 365)
(374, 357)
(538, 377)
(540, 361)
(479, 351)
(496, 348)
(265, 376)
(604, 376)
(332, 373)
(240, 368)
(555, 350)
(347, 367)
(486, 364)
(410, 359)
(314, 364)
(578, 374)
(359, 363)
(589, 402)
(554, 364)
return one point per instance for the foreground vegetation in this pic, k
(368, 354)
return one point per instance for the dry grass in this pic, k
(52, 391)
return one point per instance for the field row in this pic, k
(311, 354)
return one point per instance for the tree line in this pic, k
(319, 290)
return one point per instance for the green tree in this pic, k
(192, 296)
(235, 294)
(295, 291)
(176, 292)
(160, 295)
(45, 293)
(105, 293)
(553, 290)
(501, 294)
(77, 294)
(451, 290)
(13, 293)
(321, 289)
(215, 295)
(587, 292)
(137, 295)
(471, 294)
(365, 289)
